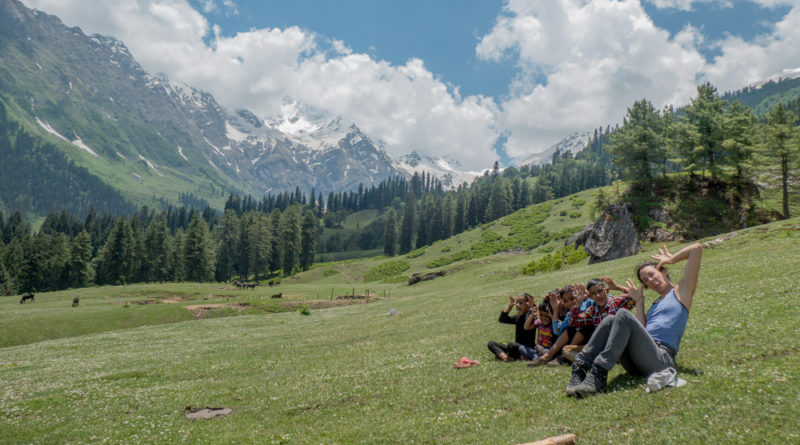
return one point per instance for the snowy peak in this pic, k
(574, 143)
(445, 169)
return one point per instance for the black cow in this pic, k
(75, 301)
(27, 297)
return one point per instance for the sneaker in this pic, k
(537, 362)
(558, 361)
(596, 381)
(578, 376)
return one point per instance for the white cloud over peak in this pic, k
(582, 64)
(406, 107)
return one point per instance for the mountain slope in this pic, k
(150, 137)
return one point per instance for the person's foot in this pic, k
(595, 382)
(578, 375)
(537, 362)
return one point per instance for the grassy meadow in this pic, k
(120, 371)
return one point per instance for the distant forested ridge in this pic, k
(36, 176)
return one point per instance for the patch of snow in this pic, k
(212, 164)
(216, 149)
(39, 66)
(180, 152)
(255, 160)
(79, 143)
(233, 134)
(122, 156)
(136, 176)
(50, 129)
(151, 165)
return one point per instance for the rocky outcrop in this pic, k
(613, 236)
(419, 276)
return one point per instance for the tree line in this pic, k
(712, 137)
(171, 245)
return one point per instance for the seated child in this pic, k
(604, 306)
(511, 351)
(562, 301)
(544, 332)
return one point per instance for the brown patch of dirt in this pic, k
(171, 300)
(202, 310)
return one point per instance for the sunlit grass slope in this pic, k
(358, 375)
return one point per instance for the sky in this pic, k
(474, 80)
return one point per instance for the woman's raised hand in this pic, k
(663, 257)
(636, 293)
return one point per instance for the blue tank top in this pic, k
(666, 320)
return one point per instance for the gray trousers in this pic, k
(621, 338)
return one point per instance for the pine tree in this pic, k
(228, 241)
(308, 239)
(80, 254)
(198, 251)
(156, 242)
(116, 259)
(500, 200)
(408, 225)
(390, 234)
(290, 240)
(639, 143)
(782, 142)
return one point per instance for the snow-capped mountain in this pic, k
(447, 170)
(574, 143)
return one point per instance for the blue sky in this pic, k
(476, 80)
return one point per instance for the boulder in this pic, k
(419, 276)
(613, 236)
(580, 237)
(659, 235)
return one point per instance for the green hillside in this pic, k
(356, 374)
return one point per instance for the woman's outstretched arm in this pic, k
(693, 254)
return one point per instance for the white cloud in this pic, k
(407, 107)
(768, 56)
(686, 5)
(592, 60)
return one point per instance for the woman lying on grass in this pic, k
(643, 344)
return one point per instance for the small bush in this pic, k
(562, 213)
(578, 202)
(330, 272)
(416, 253)
(574, 214)
(446, 249)
(304, 309)
(386, 270)
(397, 279)
(555, 260)
(439, 262)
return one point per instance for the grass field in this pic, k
(104, 372)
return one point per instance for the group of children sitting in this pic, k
(555, 330)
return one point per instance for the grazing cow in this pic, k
(75, 301)
(280, 295)
(27, 297)
(250, 285)
(271, 283)
(238, 284)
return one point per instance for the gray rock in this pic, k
(417, 277)
(614, 236)
(580, 237)
(660, 215)
(659, 235)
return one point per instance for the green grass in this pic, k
(357, 375)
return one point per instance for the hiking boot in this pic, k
(595, 382)
(558, 361)
(578, 376)
(537, 361)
